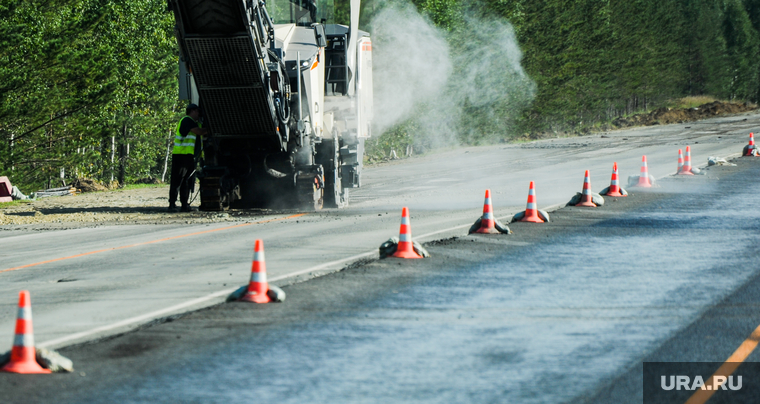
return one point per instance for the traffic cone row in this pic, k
(487, 224)
(614, 189)
(680, 161)
(750, 149)
(686, 169)
(586, 195)
(487, 221)
(531, 209)
(258, 285)
(586, 199)
(23, 354)
(405, 247)
(644, 175)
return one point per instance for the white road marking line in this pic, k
(130, 321)
(325, 265)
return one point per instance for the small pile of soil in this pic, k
(88, 185)
(665, 116)
(148, 180)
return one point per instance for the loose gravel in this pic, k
(91, 209)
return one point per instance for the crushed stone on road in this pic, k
(133, 206)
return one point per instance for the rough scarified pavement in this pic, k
(123, 207)
(558, 312)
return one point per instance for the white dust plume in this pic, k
(464, 92)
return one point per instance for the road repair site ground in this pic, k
(351, 335)
(559, 312)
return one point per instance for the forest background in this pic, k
(88, 88)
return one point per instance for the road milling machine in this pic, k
(286, 97)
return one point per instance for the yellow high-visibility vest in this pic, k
(184, 144)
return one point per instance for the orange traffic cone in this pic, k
(487, 222)
(258, 286)
(586, 195)
(614, 189)
(405, 247)
(750, 149)
(686, 169)
(644, 176)
(23, 355)
(531, 210)
(680, 161)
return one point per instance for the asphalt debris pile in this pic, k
(61, 191)
(88, 185)
(390, 246)
(664, 116)
(48, 359)
(718, 161)
(596, 198)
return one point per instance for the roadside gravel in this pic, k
(134, 206)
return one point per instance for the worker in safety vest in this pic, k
(183, 157)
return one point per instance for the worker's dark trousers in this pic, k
(183, 166)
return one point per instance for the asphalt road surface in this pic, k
(561, 312)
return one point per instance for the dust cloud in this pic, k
(465, 92)
(411, 64)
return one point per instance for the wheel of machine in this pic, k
(211, 194)
(334, 194)
(309, 192)
(319, 197)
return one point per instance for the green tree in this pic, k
(74, 74)
(743, 46)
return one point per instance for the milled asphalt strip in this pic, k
(131, 322)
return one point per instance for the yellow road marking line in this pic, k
(150, 242)
(729, 367)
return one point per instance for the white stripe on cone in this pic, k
(25, 313)
(258, 256)
(26, 340)
(259, 277)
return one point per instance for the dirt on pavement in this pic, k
(665, 116)
(89, 209)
